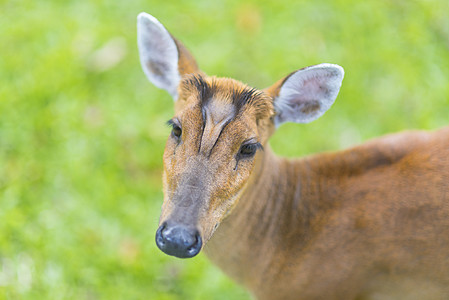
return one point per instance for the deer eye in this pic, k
(176, 129)
(248, 150)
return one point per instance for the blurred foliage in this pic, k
(82, 131)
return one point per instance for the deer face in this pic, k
(218, 133)
(210, 153)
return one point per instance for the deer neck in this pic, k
(271, 210)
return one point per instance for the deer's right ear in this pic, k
(305, 95)
(163, 58)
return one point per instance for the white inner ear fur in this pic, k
(308, 93)
(158, 54)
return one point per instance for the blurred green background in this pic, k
(82, 130)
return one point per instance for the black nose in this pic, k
(178, 240)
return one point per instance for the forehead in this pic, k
(225, 98)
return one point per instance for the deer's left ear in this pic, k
(306, 94)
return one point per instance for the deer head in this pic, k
(219, 131)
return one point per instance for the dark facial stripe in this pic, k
(244, 96)
(218, 137)
(240, 97)
(238, 94)
(205, 90)
(202, 128)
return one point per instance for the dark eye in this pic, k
(248, 150)
(176, 129)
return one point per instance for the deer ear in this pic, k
(163, 58)
(306, 94)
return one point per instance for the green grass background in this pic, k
(82, 131)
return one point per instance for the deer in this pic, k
(369, 222)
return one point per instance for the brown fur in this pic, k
(371, 222)
(357, 223)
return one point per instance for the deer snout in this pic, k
(178, 240)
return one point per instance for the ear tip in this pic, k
(144, 18)
(340, 70)
(336, 70)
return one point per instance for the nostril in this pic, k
(195, 248)
(160, 240)
(162, 227)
